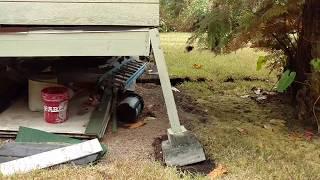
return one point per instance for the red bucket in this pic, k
(55, 104)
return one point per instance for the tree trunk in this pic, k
(308, 49)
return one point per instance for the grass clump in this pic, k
(122, 170)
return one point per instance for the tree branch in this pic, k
(285, 48)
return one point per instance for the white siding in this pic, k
(80, 12)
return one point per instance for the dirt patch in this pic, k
(187, 104)
(174, 81)
(137, 143)
(229, 79)
(202, 168)
(246, 78)
(144, 143)
(158, 155)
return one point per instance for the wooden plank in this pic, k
(69, 43)
(12, 151)
(7, 159)
(51, 158)
(100, 118)
(87, 1)
(165, 81)
(40, 13)
(26, 149)
(29, 135)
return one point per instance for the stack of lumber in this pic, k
(34, 149)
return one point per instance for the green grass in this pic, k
(122, 170)
(259, 153)
(237, 65)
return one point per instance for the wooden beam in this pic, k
(66, 13)
(74, 43)
(51, 158)
(165, 81)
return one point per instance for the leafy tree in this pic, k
(181, 15)
(288, 29)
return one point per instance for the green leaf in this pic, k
(286, 80)
(262, 60)
(315, 63)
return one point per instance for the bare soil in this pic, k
(145, 142)
(137, 143)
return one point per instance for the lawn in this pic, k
(237, 133)
(238, 64)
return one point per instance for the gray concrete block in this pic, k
(182, 149)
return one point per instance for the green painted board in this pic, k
(99, 119)
(26, 134)
(29, 135)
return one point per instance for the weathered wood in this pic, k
(51, 158)
(100, 118)
(165, 81)
(26, 149)
(12, 151)
(75, 43)
(7, 159)
(69, 13)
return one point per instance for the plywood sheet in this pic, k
(19, 115)
(66, 13)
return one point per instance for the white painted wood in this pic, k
(87, 1)
(75, 43)
(66, 13)
(19, 115)
(51, 158)
(165, 82)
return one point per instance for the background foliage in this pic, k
(287, 29)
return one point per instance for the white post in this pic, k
(165, 82)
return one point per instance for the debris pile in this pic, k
(34, 149)
(260, 95)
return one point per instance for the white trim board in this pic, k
(51, 158)
(52, 43)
